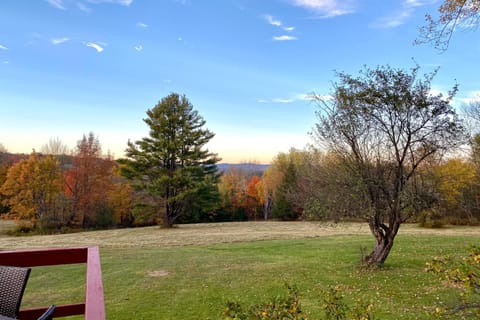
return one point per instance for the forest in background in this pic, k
(84, 189)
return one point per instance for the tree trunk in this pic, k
(385, 236)
(380, 252)
(167, 216)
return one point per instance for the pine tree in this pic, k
(172, 164)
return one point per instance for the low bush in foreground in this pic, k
(463, 274)
(289, 307)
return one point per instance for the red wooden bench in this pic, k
(93, 308)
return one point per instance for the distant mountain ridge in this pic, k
(248, 167)
(11, 158)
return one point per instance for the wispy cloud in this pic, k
(3, 47)
(292, 98)
(271, 20)
(277, 23)
(472, 97)
(138, 47)
(56, 41)
(141, 25)
(95, 46)
(326, 8)
(121, 2)
(83, 7)
(305, 96)
(284, 38)
(402, 15)
(56, 4)
(281, 100)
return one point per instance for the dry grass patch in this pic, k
(211, 233)
(158, 273)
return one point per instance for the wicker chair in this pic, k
(12, 285)
(48, 314)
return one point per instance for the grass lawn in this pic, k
(191, 271)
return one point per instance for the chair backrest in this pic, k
(12, 285)
(48, 314)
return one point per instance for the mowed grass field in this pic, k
(190, 272)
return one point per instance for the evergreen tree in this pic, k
(172, 164)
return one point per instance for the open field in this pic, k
(191, 271)
(208, 234)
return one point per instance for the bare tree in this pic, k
(383, 125)
(55, 147)
(453, 15)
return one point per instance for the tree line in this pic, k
(385, 153)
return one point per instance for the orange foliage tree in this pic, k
(88, 183)
(232, 188)
(32, 188)
(254, 196)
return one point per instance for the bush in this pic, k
(23, 226)
(431, 219)
(278, 309)
(336, 309)
(464, 274)
(283, 308)
(461, 221)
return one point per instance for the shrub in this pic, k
(278, 309)
(431, 219)
(464, 273)
(336, 308)
(289, 307)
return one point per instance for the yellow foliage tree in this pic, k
(32, 188)
(455, 181)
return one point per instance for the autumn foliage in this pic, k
(84, 191)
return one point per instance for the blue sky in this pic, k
(68, 67)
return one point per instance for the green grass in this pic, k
(195, 281)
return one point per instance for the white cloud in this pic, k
(121, 2)
(435, 92)
(138, 47)
(326, 8)
(281, 100)
(298, 97)
(392, 21)
(3, 47)
(56, 41)
(306, 96)
(180, 39)
(272, 21)
(141, 25)
(277, 23)
(56, 4)
(62, 4)
(83, 7)
(284, 38)
(472, 97)
(95, 46)
(401, 16)
(6, 62)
